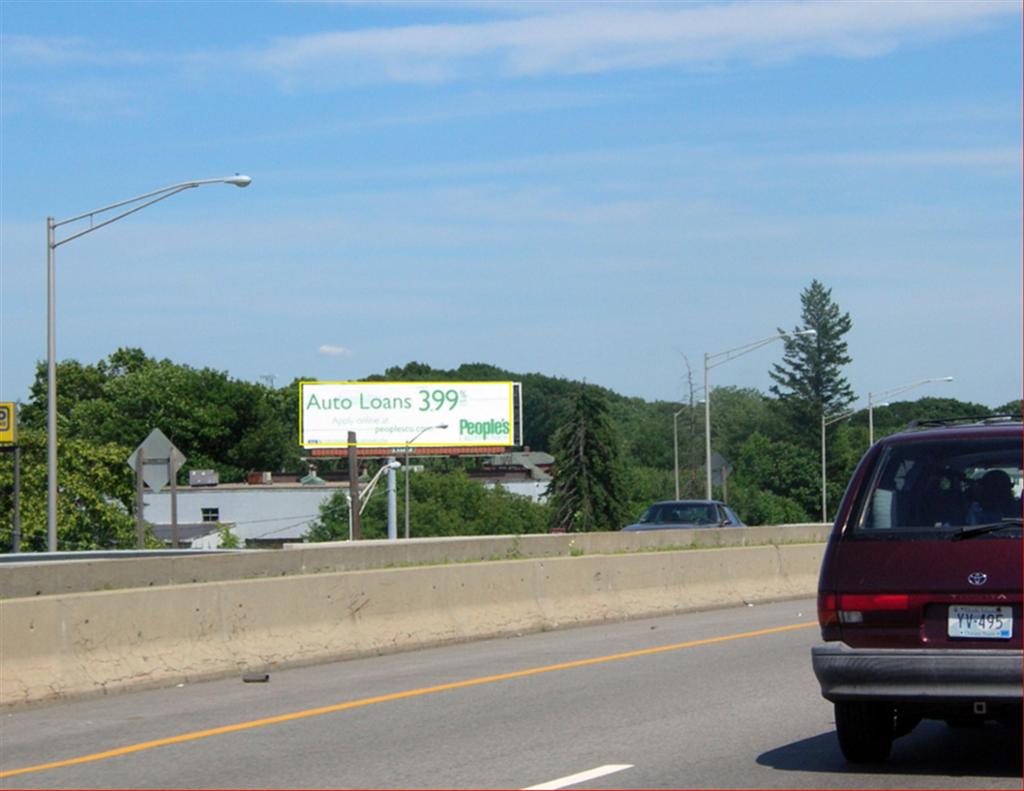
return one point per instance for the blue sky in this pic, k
(592, 191)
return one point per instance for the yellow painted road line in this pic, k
(412, 693)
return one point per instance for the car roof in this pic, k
(957, 428)
(688, 502)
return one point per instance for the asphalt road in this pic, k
(720, 699)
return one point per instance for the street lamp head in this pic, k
(806, 332)
(947, 379)
(239, 180)
(393, 465)
(441, 425)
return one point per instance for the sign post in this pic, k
(140, 503)
(9, 441)
(156, 461)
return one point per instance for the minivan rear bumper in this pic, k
(920, 674)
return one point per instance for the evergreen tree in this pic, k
(588, 488)
(809, 379)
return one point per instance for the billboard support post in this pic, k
(353, 485)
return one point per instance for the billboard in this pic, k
(413, 414)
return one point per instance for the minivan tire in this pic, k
(865, 730)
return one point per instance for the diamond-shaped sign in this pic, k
(160, 460)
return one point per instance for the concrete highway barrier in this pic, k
(86, 572)
(90, 641)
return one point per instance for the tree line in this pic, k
(614, 455)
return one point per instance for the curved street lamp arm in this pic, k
(367, 493)
(828, 420)
(904, 388)
(424, 431)
(156, 195)
(97, 226)
(739, 351)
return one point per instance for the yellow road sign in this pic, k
(8, 423)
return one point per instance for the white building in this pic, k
(267, 514)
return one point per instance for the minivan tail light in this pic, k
(852, 606)
(873, 602)
(849, 608)
(827, 615)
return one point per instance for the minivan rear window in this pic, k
(936, 487)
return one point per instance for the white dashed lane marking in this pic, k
(580, 777)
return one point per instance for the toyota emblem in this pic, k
(977, 578)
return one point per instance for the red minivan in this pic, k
(919, 598)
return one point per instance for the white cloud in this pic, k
(596, 38)
(65, 50)
(1004, 158)
(334, 351)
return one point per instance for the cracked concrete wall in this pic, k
(94, 643)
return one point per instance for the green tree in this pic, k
(217, 422)
(809, 381)
(96, 500)
(756, 506)
(787, 472)
(441, 504)
(332, 524)
(897, 415)
(588, 488)
(228, 540)
(646, 485)
(737, 412)
(1011, 408)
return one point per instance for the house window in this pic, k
(211, 514)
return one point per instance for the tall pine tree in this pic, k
(588, 490)
(809, 379)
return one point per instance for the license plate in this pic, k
(994, 623)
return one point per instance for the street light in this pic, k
(828, 421)
(363, 497)
(407, 444)
(675, 440)
(675, 445)
(52, 243)
(888, 394)
(712, 361)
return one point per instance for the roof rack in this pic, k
(937, 422)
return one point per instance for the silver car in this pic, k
(675, 514)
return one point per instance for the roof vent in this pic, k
(203, 478)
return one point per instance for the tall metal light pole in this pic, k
(407, 444)
(675, 445)
(52, 243)
(888, 394)
(828, 421)
(713, 361)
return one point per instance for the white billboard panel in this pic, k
(392, 414)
